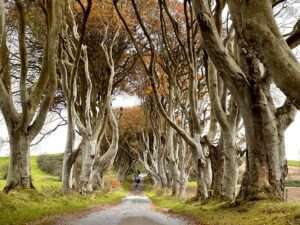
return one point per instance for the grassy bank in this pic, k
(3, 168)
(19, 208)
(216, 213)
(22, 207)
(40, 179)
(294, 163)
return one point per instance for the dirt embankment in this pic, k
(294, 173)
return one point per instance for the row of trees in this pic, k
(83, 58)
(206, 82)
(192, 56)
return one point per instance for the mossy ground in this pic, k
(219, 213)
(22, 207)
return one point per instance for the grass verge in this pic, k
(294, 163)
(19, 208)
(24, 207)
(40, 179)
(218, 213)
(292, 183)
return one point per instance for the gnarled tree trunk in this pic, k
(266, 162)
(230, 175)
(251, 92)
(89, 148)
(19, 166)
(257, 28)
(25, 125)
(70, 153)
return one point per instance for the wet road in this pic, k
(134, 210)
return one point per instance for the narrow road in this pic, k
(134, 210)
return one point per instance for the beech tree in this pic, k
(25, 122)
(172, 172)
(279, 60)
(205, 82)
(69, 62)
(250, 88)
(89, 76)
(237, 65)
(189, 53)
(131, 122)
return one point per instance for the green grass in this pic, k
(3, 161)
(218, 213)
(22, 207)
(292, 183)
(192, 184)
(40, 179)
(3, 167)
(294, 163)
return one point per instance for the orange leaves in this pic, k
(132, 119)
(103, 14)
(162, 88)
(161, 75)
(148, 90)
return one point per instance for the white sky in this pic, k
(125, 100)
(292, 140)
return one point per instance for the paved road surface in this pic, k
(134, 210)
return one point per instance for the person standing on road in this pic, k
(137, 180)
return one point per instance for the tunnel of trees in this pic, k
(207, 72)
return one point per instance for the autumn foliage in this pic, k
(132, 119)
